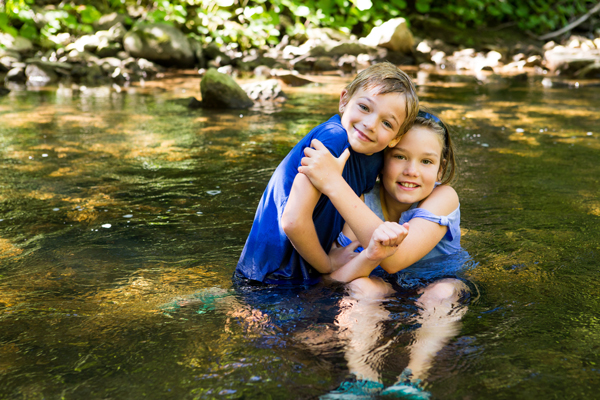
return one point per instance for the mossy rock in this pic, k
(221, 91)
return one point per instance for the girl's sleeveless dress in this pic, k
(446, 259)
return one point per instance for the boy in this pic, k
(294, 225)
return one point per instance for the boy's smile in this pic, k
(411, 168)
(372, 120)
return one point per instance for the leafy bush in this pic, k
(256, 23)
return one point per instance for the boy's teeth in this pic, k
(409, 185)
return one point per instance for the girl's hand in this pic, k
(321, 167)
(340, 256)
(385, 240)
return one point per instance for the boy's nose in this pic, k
(369, 122)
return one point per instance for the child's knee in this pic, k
(445, 290)
(370, 288)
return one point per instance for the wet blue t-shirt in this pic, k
(268, 255)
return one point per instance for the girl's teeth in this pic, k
(409, 185)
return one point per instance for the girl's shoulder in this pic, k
(443, 200)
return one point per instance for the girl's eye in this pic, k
(399, 157)
(427, 162)
(387, 124)
(363, 107)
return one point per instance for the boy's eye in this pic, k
(363, 107)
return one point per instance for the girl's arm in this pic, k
(424, 235)
(299, 227)
(384, 242)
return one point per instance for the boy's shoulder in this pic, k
(332, 134)
(332, 124)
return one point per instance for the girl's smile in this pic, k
(410, 169)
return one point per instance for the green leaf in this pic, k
(29, 31)
(493, 11)
(522, 11)
(156, 16)
(401, 4)
(5, 27)
(506, 8)
(89, 14)
(422, 6)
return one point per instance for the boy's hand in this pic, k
(339, 256)
(320, 166)
(385, 240)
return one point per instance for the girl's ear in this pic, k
(343, 101)
(395, 141)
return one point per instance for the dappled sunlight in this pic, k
(521, 137)
(520, 153)
(7, 249)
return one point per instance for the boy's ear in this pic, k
(343, 101)
(395, 141)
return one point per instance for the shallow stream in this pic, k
(121, 210)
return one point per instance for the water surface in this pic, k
(114, 204)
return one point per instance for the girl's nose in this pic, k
(411, 169)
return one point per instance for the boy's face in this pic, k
(372, 120)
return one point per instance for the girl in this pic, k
(413, 191)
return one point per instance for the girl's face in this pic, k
(411, 168)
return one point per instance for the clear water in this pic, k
(117, 206)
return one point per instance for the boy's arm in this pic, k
(355, 212)
(299, 227)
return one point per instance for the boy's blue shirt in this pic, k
(268, 255)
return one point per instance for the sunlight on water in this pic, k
(122, 215)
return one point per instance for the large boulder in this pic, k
(569, 61)
(109, 20)
(160, 43)
(40, 75)
(393, 34)
(16, 75)
(17, 44)
(221, 91)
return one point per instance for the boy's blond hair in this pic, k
(388, 79)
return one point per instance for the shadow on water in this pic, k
(120, 211)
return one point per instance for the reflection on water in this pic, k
(114, 205)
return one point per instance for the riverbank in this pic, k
(119, 57)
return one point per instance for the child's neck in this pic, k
(392, 209)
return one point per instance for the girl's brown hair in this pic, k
(431, 121)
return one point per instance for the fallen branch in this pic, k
(572, 25)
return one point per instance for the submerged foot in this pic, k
(406, 388)
(354, 389)
(205, 299)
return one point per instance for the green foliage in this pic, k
(257, 23)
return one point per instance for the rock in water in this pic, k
(40, 75)
(221, 91)
(160, 43)
(393, 34)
